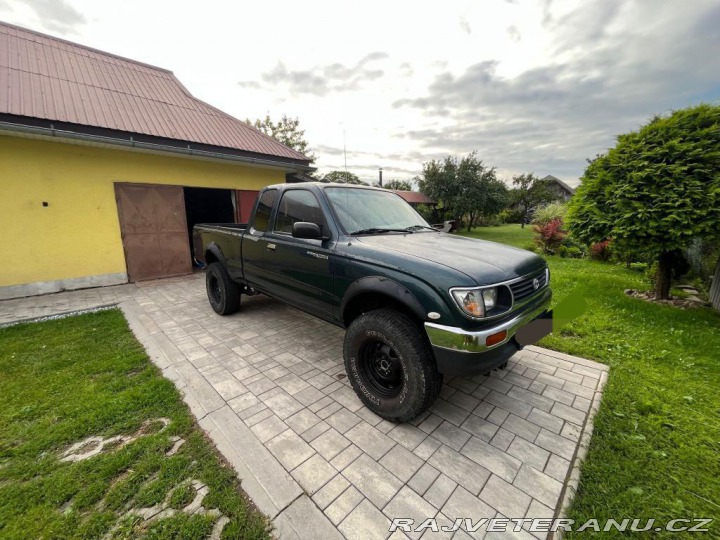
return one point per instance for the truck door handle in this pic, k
(271, 247)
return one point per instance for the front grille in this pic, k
(525, 288)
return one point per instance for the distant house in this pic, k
(106, 163)
(559, 188)
(415, 198)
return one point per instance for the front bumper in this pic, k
(464, 352)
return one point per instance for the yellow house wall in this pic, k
(78, 233)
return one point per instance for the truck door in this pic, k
(300, 269)
(255, 243)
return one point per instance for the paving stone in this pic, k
(440, 491)
(260, 385)
(448, 411)
(401, 462)
(330, 491)
(408, 504)
(268, 428)
(308, 396)
(568, 413)
(331, 408)
(541, 402)
(430, 423)
(502, 439)
(259, 417)
(464, 385)
(559, 395)
(304, 519)
(582, 404)
(497, 385)
(283, 405)
(343, 420)
(464, 401)
(557, 467)
(370, 440)
(251, 411)
(508, 404)
(502, 496)
(346, 397)
(492, 459)
(540, 486)
(315, 431)
(313, 474)
(545, 420)
(373, 480)
(521, 427)
(565, 375)
(315, 406)
(556, 444)
(451, 435)
(343, 505)
(289, 449)
(346, 457)
(463, 504)
(292, 384)
(365, 522)
(483, 410)
(528, 452)
(537, 387)
(426, 448)
(460, 468)
(230, 388)
(423, 478)
(407, 435)
(302, 421)
(368, 416)
(330, 444)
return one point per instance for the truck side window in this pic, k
(261, 221)
(298, 205)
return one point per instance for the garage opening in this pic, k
(208, 205)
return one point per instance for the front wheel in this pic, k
(390, 365)
(223, 293)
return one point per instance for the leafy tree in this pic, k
(529, 193)
(287, 131)
(656, 190)
(343, 177)
(466, 188)
(398, 185)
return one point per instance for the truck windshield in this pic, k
(368, 211)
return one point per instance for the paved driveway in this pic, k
(268, 385)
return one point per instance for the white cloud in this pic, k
(539, 85)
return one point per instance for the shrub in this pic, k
(601, 250)
(550, 235)
(550, 212)
(574, 252)
(510, 216)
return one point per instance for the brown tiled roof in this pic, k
(53, 79)
(415, 197)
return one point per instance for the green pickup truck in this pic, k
(416, 303)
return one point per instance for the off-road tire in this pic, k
(419, 383)
(223, 293)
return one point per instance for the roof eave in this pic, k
(62, 130)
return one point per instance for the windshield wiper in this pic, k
(418, 227)
(378, 230)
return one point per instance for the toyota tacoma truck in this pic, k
(416, 303)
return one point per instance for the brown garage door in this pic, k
(154, 231)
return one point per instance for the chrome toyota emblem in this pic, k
(536, 284)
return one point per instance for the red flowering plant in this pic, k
(550, 235)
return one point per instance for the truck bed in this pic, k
(227, 236)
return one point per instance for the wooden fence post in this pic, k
(715, 288)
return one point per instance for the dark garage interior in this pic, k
(208, 205)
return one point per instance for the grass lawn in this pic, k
(655, 451)
(65, 380)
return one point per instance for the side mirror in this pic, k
(304, 229)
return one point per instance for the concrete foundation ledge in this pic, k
(47, 287)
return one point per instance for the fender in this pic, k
(383, 285)
(217, 252)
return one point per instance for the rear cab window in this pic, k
(261, 219)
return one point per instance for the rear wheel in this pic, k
(223, 293)
(390, 365)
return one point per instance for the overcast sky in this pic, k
(532, 85)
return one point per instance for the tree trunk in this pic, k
(664, 276)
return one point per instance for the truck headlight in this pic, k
(475, 302)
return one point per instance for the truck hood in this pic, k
(485, 262)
